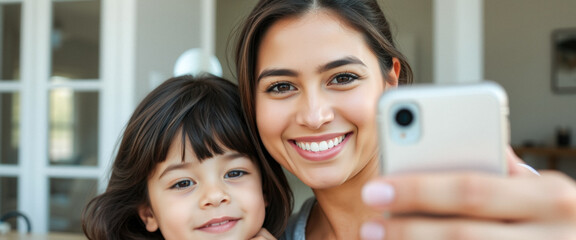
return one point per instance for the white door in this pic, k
(59, 106)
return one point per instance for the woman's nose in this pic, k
(314, 111)
(213, 196)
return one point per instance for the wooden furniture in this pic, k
(49, 236)
(551, 154)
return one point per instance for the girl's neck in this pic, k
(340, 211)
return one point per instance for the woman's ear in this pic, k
(394, 73)
(147, 215)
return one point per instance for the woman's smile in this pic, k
(320, 148)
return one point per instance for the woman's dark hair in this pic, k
(206, 112)
(363, 15)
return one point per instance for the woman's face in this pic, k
(318, 85)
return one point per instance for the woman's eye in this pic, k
(235, 174)
(182, 184)
(280, 88)
(344, 78)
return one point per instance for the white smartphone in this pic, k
(431, 128)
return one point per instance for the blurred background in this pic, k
(72, 71)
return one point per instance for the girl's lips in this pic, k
(219, 225)
(320, 148)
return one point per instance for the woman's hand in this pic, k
(473, 205)
(263, 234)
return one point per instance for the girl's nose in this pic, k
(213, 196)
(314, 111)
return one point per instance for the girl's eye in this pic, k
(235, 174)
(182, 184)
(344, 78)
(280, 87)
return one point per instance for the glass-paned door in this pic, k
(52, 89)
(73, 98)
(10, 92)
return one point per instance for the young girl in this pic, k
(187, 168)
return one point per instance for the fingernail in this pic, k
(377, 194)
(531, 169)
(372, 231)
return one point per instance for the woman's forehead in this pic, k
(317, 36)
(312, 23)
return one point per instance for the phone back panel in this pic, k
(460, 128)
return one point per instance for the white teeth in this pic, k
(323, 146)
(218, 224)
(320, 146)
(314, 147)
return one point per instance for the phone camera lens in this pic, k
(404, 117)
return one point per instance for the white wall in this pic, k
(229, 14)
(411, 24)
(518, 56)
(164, 30)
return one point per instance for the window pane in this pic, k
(67, 199)
(75, 39)
(10, 45)
(9, 198)
(73, 128)
(9, 128)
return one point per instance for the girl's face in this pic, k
(218, 198)
(318, 85)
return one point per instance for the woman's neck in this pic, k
(340, 210)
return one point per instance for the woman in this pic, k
(309, 75)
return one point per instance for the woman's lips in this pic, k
(219, 225)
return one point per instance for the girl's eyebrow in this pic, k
(331, 65)
(173, 167)
(226, 156)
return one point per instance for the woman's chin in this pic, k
(324, 180)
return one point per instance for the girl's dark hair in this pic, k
(206, 111)
(363, 15)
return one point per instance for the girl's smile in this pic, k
(219, 225)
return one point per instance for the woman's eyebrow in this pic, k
(340, 62)
(291, 73)
(277, 72)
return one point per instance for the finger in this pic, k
(452, 228)
(552, 196)
(517, 166)
(263, 234)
